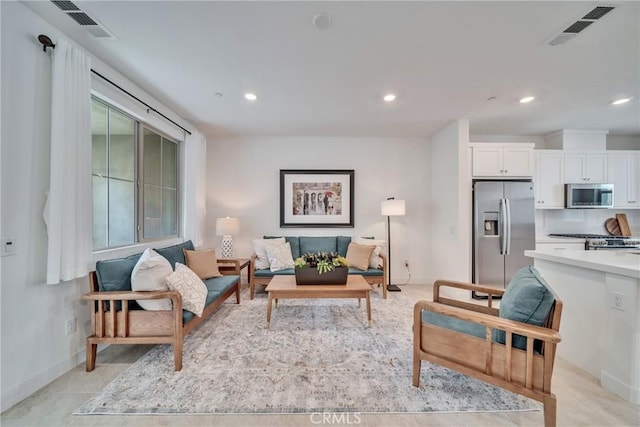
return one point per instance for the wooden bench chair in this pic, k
(526, 371)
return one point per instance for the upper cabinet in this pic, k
(502, 160)
(549, 179)
(624, 174)
(585, 168)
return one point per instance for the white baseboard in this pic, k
(625, 391)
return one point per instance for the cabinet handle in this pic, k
(505, 171)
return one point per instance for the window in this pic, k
(126, 152)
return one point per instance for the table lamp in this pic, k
(227, 227)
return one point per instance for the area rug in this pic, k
(318, 356)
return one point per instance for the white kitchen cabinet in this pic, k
(502, 160)
(585, 168)
(624, 173)
(549, 179)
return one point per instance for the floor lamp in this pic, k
(227, 227)
(391, 207)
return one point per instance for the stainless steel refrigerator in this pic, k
(503, 228)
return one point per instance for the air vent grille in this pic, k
(92, 26)
(580, 24)
(65, 5)
(82, 18)
(598, 12)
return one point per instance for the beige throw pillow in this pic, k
(150, 274)
(358, 255)
(280, 257)
(260, 249)
(203, 262)
(375, 261)
(192, 289)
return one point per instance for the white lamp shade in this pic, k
(392, 207)
(227, 226)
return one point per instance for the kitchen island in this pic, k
(600, 324)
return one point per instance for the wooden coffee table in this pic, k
(284, 286)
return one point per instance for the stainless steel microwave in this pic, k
(588, 196)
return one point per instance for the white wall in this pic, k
(35, 349)
(450, 204)
(243, 177)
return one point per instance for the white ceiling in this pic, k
(442, 59)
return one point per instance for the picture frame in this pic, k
(316, 198)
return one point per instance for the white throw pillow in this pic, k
(150, 274)
(280, 257)
(190, 286)
(374, 261)
(260, 249)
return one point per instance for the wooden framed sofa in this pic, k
(116, 317)
(303, 244)
(513, 347)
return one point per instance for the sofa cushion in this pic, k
(294, 241)
(526, 299)
(343, 245)
(453, 324)
(115, 275)
(174, 253)
(358, 256)
(368, 272)
(268, 273)
(375, 261)
(203, 262)
(260, 249)
(216, 286)
(318, 244)
(279, 256)
(150, 274)
(192, 289)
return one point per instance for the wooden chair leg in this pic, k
(177, 355)
(417, 365)
(238, 294)
(252, 289)
(92, 350)
(549, 407)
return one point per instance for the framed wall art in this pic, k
(316, 198)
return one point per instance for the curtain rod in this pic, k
(46, 42)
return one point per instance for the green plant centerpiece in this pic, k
(321, 268)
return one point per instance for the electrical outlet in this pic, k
(617, 301)
(70, 326)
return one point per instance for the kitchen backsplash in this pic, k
(588, 221)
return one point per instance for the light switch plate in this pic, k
(8, 247)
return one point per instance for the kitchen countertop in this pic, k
(622, 262)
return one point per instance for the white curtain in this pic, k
(68, 211)
(195, 179)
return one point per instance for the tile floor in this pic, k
(581, 402)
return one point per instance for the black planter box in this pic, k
(311, 276)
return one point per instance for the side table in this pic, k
(234, 266)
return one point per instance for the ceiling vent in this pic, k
(92, 26)
(574, 29)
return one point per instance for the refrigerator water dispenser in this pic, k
(491, 223)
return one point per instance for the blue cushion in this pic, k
(343, 245)
(174, 253)
(268, 273)
(222, 283)
(367, 272)
(115, 275)
(454, 324)
(294, 242)
(318, 244)
(527, 299)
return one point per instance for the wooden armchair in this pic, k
(527, 372)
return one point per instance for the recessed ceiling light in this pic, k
(621, 101)
(390, 97)
(250, 96)
(527, 99)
